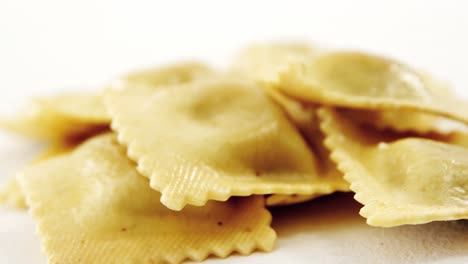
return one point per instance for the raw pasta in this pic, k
(275, 66)
(304, 118)
(212, 139)
(362, 81)
(195, 156)
(399, 180)
(93, 207)
(405, 120)
(76, 116)
(70, 119)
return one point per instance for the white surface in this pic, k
(48, 46)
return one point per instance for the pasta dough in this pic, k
(405, 120)
(267, 63)
(304, 118)
(93, 207)
(77, 116)
(357, 80)
(399, 180)
(70, 119)
(63, 117)
(212, 139)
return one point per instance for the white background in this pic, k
(48, 46)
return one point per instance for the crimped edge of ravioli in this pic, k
(372, 209)
(222, 194)
(219, 194)
(198, 254)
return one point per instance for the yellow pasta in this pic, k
(407, 120)
(76, 116)
(212, 139)
(69, 119)
(304, 118)
(63, 117)
(357, 80)
(92, 206)
(399, 180)
(276, 66)
(178, 163)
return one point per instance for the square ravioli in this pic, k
(212, 139)
(92, 206)
(399, 180)
(391, 94)
(365, 81)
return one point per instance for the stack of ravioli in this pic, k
(181, 162)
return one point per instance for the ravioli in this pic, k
(362, 81)
(92, 206)
(408, 120)
(69, 119)
(304, 118)
(276, 66)
(64, 117)
(212, 139)
(399, 180)
(77, 116)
